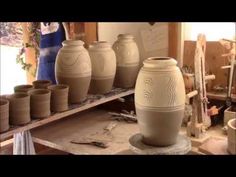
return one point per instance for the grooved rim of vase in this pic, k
(159, 62)
(71, 42)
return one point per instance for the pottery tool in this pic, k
(91, 142)
(124, 116)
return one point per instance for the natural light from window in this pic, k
(213, 31)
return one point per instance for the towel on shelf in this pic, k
(23, 144)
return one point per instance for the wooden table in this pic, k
(59, 134)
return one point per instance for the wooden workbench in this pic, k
(59, 134)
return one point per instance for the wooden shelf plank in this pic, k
(220, 96)
(91, 101)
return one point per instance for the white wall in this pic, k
(108, 31)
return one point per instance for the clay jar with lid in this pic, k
(103, 61)
(232, 136)
(23, 88)
(41, 84)
(40, 103)
(160, 101)
(127, 57)
(73, 68)
(4, 115)
(59, 97)
(19, 108)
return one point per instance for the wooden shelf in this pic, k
(220, 96)
(91, 101)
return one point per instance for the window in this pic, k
(11, 73)
(213, 31)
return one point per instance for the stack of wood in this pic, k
(125, 115)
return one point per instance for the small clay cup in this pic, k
(40, 103)
(23, 88)
(4, 115)
(41, 84)
(19, 108)
(59, 97)
(232, 136)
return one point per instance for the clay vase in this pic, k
(41, 84)
(40, 103)
(23, 88)
(160, 101)
(19, 108)
(59, 97)
(232, 136)
(4, 115)
(188, 82)
(127, 57)
(103, 61)
(73, 68)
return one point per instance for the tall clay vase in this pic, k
(23, 88)
(103, 61)
(73, 68)
(59, 97)
(127, 57)
(41, 84)
(4, 115)
(232, 136)
(160, 101)
(40, 103)
(19, 108)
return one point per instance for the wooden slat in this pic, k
(57, 116)
(220, 96)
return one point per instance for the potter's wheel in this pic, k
(182, 146)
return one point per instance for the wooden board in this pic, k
(214, 60)
(214, 146)
(59, 134)
(220, 96)
(89, 103)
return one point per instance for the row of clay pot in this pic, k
(28, 102)
(95, 70)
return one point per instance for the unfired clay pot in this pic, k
(127, 57)
(73, 68)
(59, 97)
(232, 136)
(160, 101)
(103, 61)
(40, 103)
(188, 82)
(19, 108)
(41, 84)
(23, 88)
(4, 115)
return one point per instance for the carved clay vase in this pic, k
(188, 82)
(160, 101)
(23, 88)
(40, 103)
(232, 136)
(19, 108)
(103, 61)
(59, 97)
(73, 68)
(4, 115)
(127, 57)
(41, 84)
